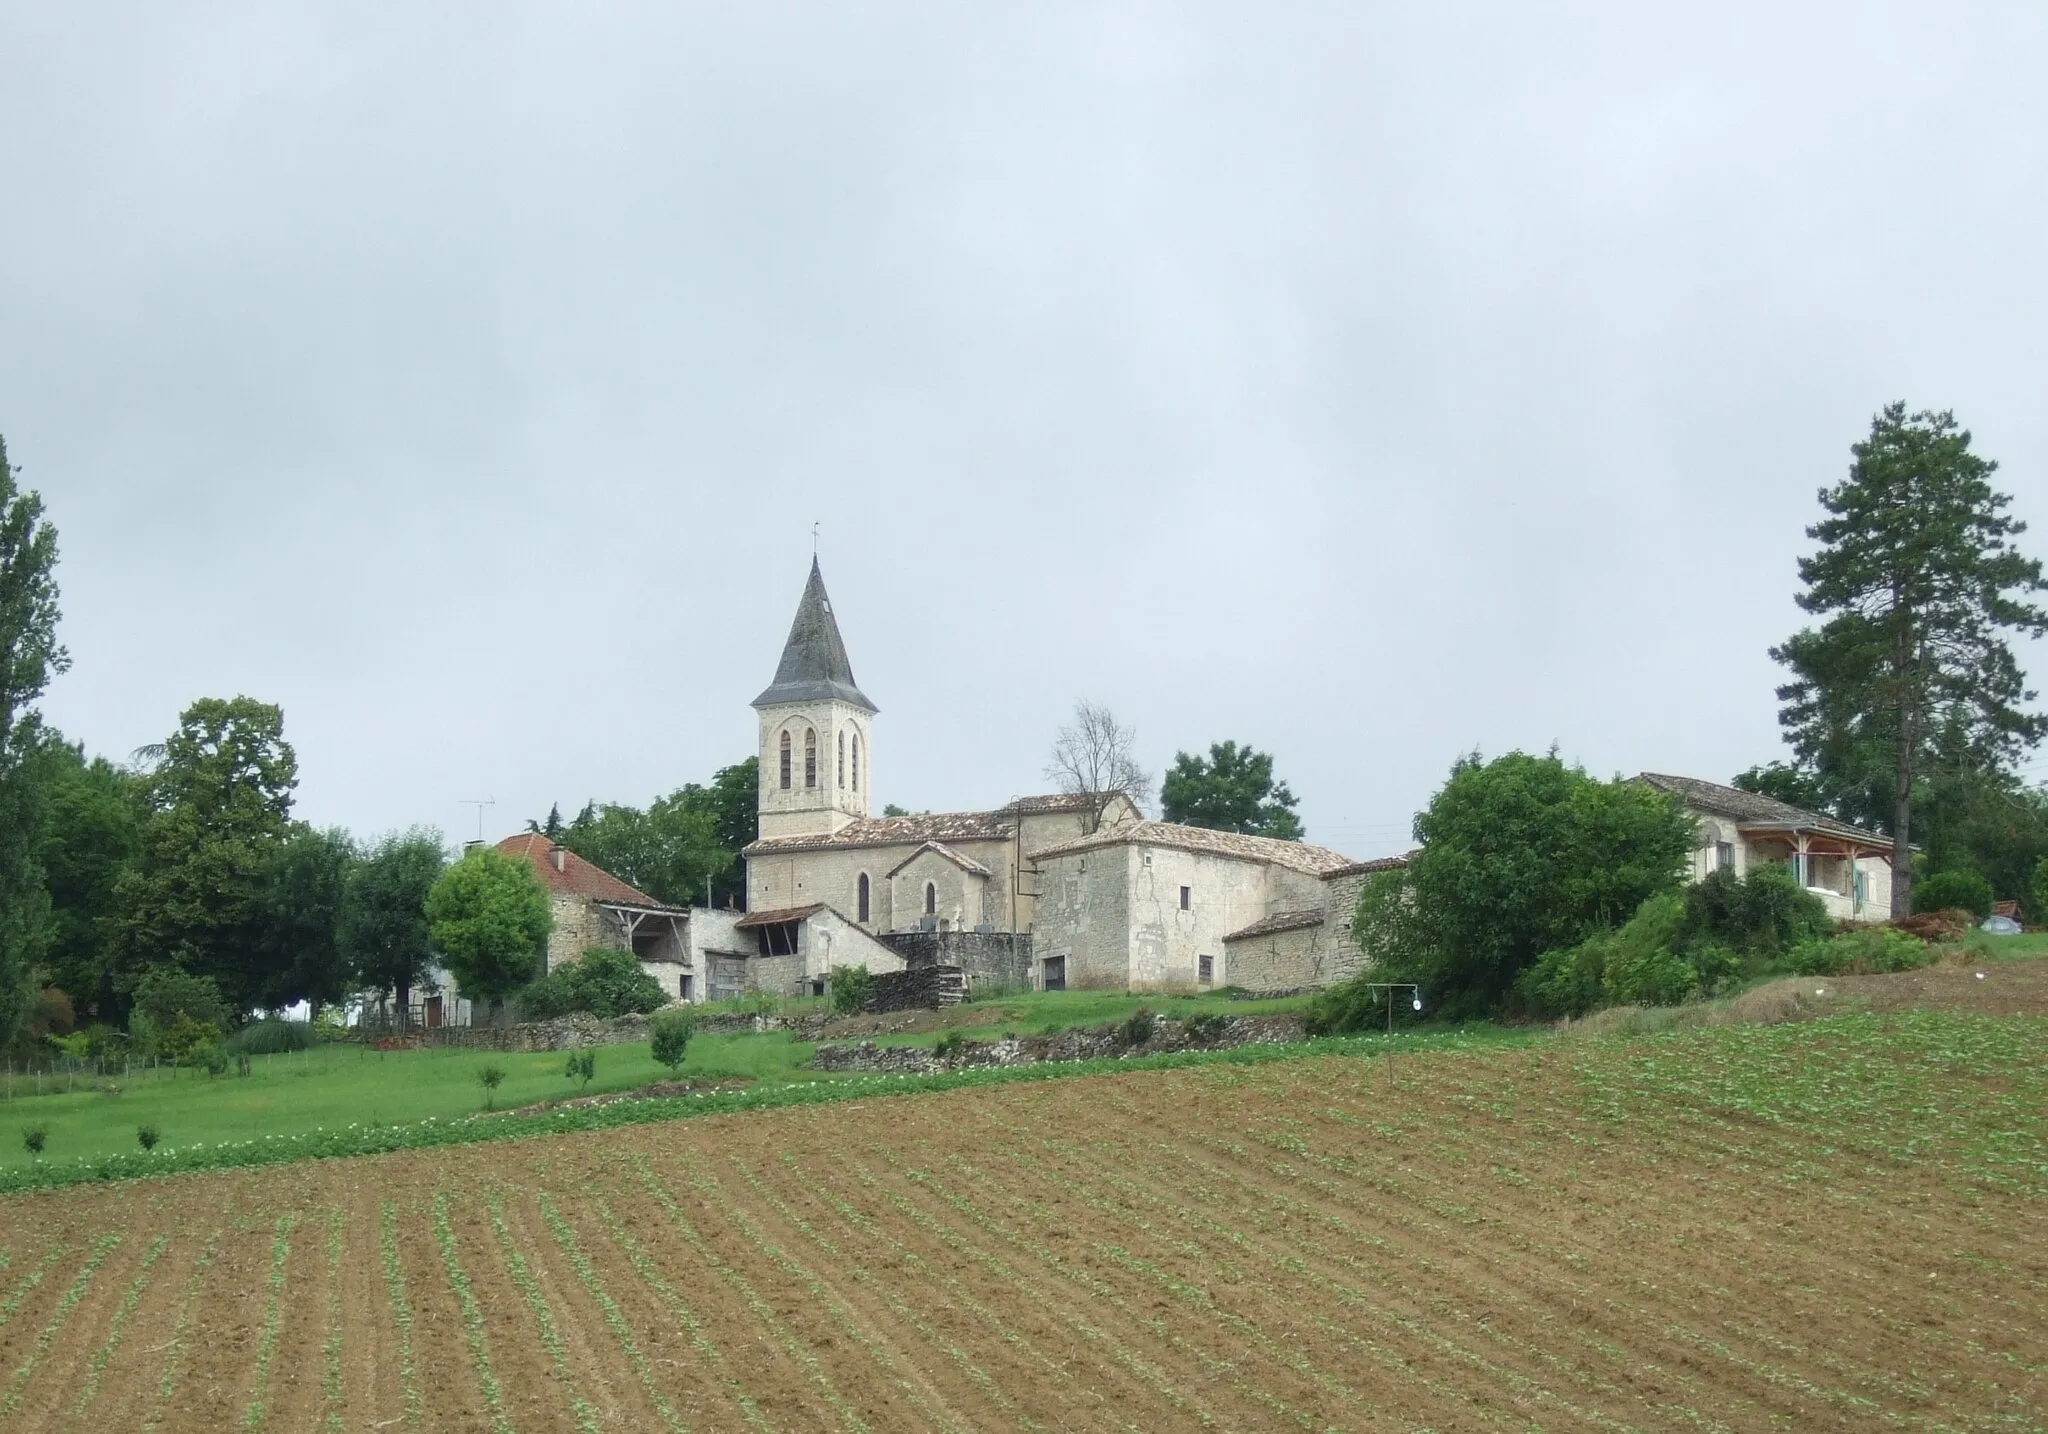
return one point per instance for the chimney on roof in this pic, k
(558, 854)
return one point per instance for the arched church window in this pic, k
(931, 899)
(863, 896)
(856, 761)
(810, 759)
(842, 761)
(785, 761)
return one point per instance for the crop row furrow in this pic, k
(1148, 1375)
(117, 1326)
(857, 1271)
(614, 1321)
(73, 1293)
(693, 1324)
(331, 1328)
(174, 1348)
(956, 1292)
(473, 1323)
(401, 1314)
(581, 1409)
(928, 1400)
(794, 1348)
(1295, 1260)
(273, 1311)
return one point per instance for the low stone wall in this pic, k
(915, 988)
(1101, 1043)
(563, 1033)
(987, 958)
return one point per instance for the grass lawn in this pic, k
(331, 1087)
(334, 1086)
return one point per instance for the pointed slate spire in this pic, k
(814, 666)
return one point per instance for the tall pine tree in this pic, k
(1921, 589)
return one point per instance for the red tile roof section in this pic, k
(577, 876)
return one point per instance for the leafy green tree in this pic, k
(165, 994)
(1920, 587)
(305, 882)
(1519, 856)
(29, 657)
(91, 834)
(669, 1037)
(1231, 790)
(489, 918)
(2037, 894)
(218, 806)
(382, 932)
(1954, 891)
(685, 848)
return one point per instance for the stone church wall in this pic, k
(1283, 961)
(989, 958)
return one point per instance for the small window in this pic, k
(1724, 855)
(931, 899)
(1185, 894)
(785, 761)
(863, 896)
(811, 759)
(1205, 969)
(842, 761)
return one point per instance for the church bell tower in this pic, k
(817, 759)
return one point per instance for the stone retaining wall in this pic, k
(1105, 1042)
(916, 988)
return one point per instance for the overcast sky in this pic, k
(1369, 383)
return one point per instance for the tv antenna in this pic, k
(479, 803)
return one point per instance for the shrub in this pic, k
(582, 1065)
(165, 993)
(147, 1135)
(1649, 976)
(950, 1046)
(1138, 1029)
(1208, 1026)
(271, 1037)
(604, 982)
(1872, 951)
(1348, 1008)
(670, 1033)
(211, 1058)
(851, 986)
(34, 1138)
(1762, 915)
(490, 1075)
(2038, 893)
(1954, 891)
(181, 1041)
(1569, 981)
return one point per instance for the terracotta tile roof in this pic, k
(1367, 868)
(1278, 921)
(1053, 802)
(939, 848)
(777, 917)
(1295, 855)
(1754, 808)
(577, 876)
(895, 831)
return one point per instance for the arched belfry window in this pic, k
(810, 758)
(785, 761)
(842, 761)
(864, 896)
(856, 761)
(931, 899)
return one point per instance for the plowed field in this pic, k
(1683, 1233)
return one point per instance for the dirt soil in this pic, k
(1453, 1241)
(1990, 988)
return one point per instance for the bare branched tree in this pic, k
(1095, 757)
